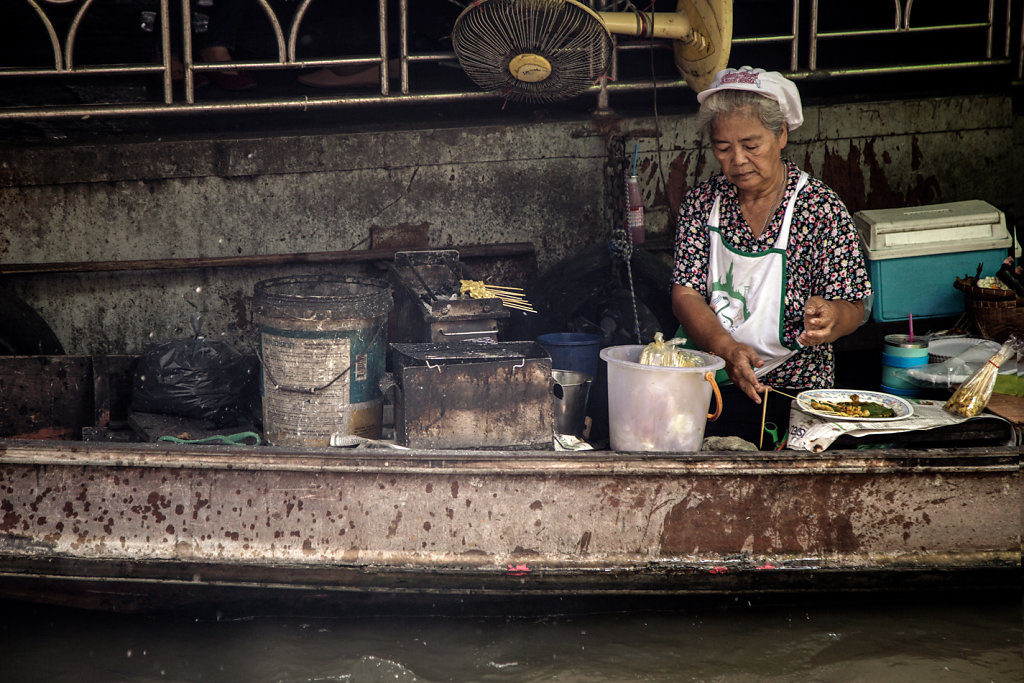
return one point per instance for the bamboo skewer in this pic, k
(828, 403)
(509, 296)
(518, 307)
(764, 414)
(498, 287)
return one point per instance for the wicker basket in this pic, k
(997, 313)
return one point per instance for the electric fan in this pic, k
(543, 50)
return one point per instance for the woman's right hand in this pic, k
(704, 328)
(740, 362)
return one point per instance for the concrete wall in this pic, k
(548, 183)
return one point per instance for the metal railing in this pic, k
(991, 40)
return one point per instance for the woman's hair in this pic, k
(731, 101)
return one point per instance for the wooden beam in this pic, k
(471, 251)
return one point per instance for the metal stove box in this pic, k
(473, 395)
(915, 254)
(428, 305)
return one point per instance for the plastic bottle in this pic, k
(634, 209)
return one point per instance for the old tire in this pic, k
(23, 332)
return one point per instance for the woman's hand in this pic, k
(703, 326)
(740, 362)
(825, 320)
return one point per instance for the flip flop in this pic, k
(235, 81)
(326, 78)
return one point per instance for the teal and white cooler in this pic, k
(915, 254)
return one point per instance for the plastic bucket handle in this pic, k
(710, 377)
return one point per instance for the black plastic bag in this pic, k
(195, 378)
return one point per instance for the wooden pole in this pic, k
(356, 256)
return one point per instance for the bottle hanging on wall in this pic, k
(634, 210)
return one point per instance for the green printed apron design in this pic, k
(747, 290)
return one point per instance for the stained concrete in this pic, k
(550, 183)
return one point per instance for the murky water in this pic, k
(875, 640)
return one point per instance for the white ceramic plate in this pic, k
(901, 407)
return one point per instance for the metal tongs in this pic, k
(426, 287)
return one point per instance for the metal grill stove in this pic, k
(428, 305)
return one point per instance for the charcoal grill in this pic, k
(428, 305)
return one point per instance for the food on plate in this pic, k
(853, 408)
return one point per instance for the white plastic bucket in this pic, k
(657, 409)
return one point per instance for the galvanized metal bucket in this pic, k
(322, 340)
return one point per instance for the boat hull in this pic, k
(140, 526)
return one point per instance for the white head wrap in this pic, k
(768, 83)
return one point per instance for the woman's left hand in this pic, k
(819, 322)
(827, 320)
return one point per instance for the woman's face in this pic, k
(748, 152)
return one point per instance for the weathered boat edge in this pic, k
(136, 527)
(88, 589)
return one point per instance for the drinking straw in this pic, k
(636, 151)
(910, 320)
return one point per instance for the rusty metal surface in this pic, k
(472, 395)
(427, 285)
(130, 527)
(477, 513)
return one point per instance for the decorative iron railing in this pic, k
(808, 40)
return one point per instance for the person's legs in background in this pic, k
(356, 76)
(355, 32)
(225, 17)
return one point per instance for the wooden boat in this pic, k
(133, 526)
(130, 526)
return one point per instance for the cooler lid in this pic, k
(972, 225)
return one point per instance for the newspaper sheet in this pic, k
(812, 433)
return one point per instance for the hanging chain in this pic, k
(621, 244)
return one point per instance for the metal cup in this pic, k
(569, 400)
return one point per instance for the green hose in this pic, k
(231, 439)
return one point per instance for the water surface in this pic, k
(875, 639)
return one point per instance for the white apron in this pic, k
(748, 290)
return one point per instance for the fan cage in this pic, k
(489, 35)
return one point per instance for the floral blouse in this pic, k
(823, 258)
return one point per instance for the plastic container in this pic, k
(570, 400)
(657, 409)
(952, 361)
(899, 354)
(915, 254)
(576, 351)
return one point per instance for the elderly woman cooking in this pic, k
(768, 270)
